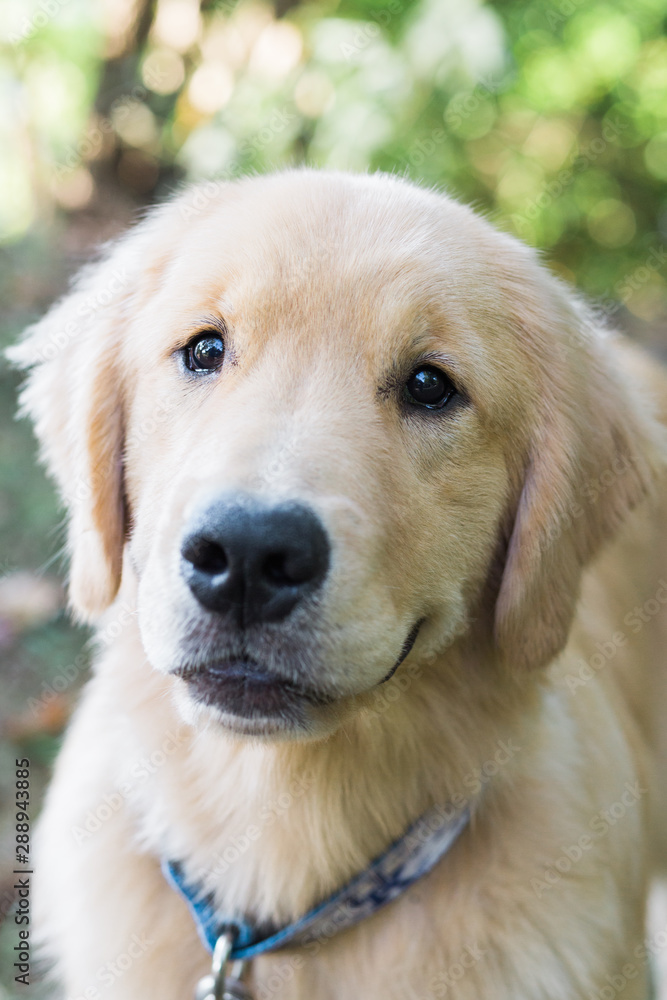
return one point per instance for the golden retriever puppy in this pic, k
(366, 506)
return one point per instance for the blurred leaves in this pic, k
(551, 115)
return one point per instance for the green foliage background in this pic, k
(552, 116)
(549, 115)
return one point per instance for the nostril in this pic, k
(205, 555)
(251, 562)
(294, 566)
(274, 568)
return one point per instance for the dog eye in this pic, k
(429, 387)
(205, 352)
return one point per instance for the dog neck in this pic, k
(271, 828)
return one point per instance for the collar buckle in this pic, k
(218, 985)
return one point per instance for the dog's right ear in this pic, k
(73, 394)
(74, 389)
(597, 451)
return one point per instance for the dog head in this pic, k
(320, 418)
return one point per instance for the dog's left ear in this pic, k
(594, 451)
(73, 396)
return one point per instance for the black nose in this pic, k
(254, 561)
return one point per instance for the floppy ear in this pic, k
(73, 395)
(594, 453)
(74, 389)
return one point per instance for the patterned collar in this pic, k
(387, 877)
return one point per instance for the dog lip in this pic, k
(245, 688)
(406, 648)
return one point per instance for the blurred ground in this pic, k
(43, 657)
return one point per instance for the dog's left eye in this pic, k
(205, 352)
(429, 387)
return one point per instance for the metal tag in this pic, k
(233, 990)
(218, 985)
(205, 987)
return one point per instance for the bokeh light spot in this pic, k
(135, 123)
(211, 87)
(163, 71)
(655, 156)
(74, 190)
(611, 223)
(314, 93)
(277, 50)
(177, 24)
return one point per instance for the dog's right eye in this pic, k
(205, 352)
(430, 388)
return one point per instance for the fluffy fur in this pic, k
(523, 526)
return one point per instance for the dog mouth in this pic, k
(245, 689)
(406, 649)
(252, 698)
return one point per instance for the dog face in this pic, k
(328, 418)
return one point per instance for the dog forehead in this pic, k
(255, 239)
(307, 266)
(343, 250)
(297, 221)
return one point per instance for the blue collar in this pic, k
(408, 859)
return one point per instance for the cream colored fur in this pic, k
(524, 527)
